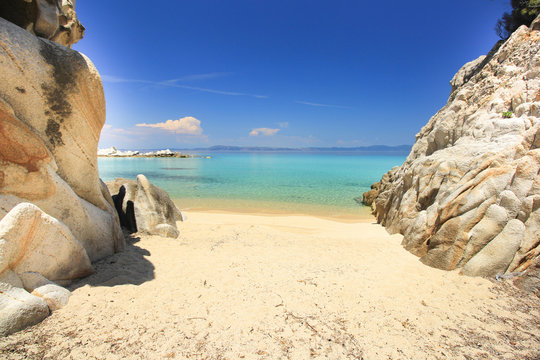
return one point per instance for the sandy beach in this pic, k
(238, 286)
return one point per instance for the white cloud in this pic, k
(263, 132)
(187, 125)
(107, 126)
(283, 125)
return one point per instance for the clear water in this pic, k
(306, 183)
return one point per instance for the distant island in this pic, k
(372, 148)
(112, 151)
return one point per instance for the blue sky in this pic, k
(293, 73)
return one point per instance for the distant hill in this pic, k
(373, 148)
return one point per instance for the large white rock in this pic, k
(50, 19)
(496, 256)
(19, 309)
(52, 110)
(155, 213)
(32, 241)
(473, 174)
(55, 295)
(56, 215)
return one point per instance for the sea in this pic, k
(307, 183)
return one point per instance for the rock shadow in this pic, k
(127, 267)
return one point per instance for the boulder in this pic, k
(32, 241)
(468, 194)
(52, 109)
(56, 215)
(495, 257)
(19, 309)
(144, 207)
(371, 195)
(51, 19)
(55, 295)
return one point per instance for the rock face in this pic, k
(371, 195)
(468, 194)
(144, 207)
(51, 19)
(52, 109)
(55, 213)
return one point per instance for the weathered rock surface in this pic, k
(19, 309)
(468, 194)
(55, 296)
(34, 249)
(56, 215)
(32, 241)
(371, 195)
(52, 110)
(51, 19)
(153, 210)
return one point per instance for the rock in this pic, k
(55, 295)
(56, 215)
(530, 281)
(19, 309)
(32, 241)
(51, 19)
(473, 175)
(154, 211)
(70, 30)
(127, 215)
(495, 257)
(371, 195)
(52, 109)
(112, 151)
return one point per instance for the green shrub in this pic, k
(523, 13)
(507, 114)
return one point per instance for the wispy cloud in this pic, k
(197, 77)
(263, 132)
(174, 83)
(187, 126)
(322, 105)
(283, 125)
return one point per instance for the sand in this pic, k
(280, 287)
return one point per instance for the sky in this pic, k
(281, 73)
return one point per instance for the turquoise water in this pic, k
(306, 183)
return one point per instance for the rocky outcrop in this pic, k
(369, 196)
(51, 19)
(56, 216)
(52, 109)
(144, 207)
(468, 194)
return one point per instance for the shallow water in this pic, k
(322, 184)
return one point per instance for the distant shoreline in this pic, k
(383, 149)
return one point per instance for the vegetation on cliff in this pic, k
(523, 13)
